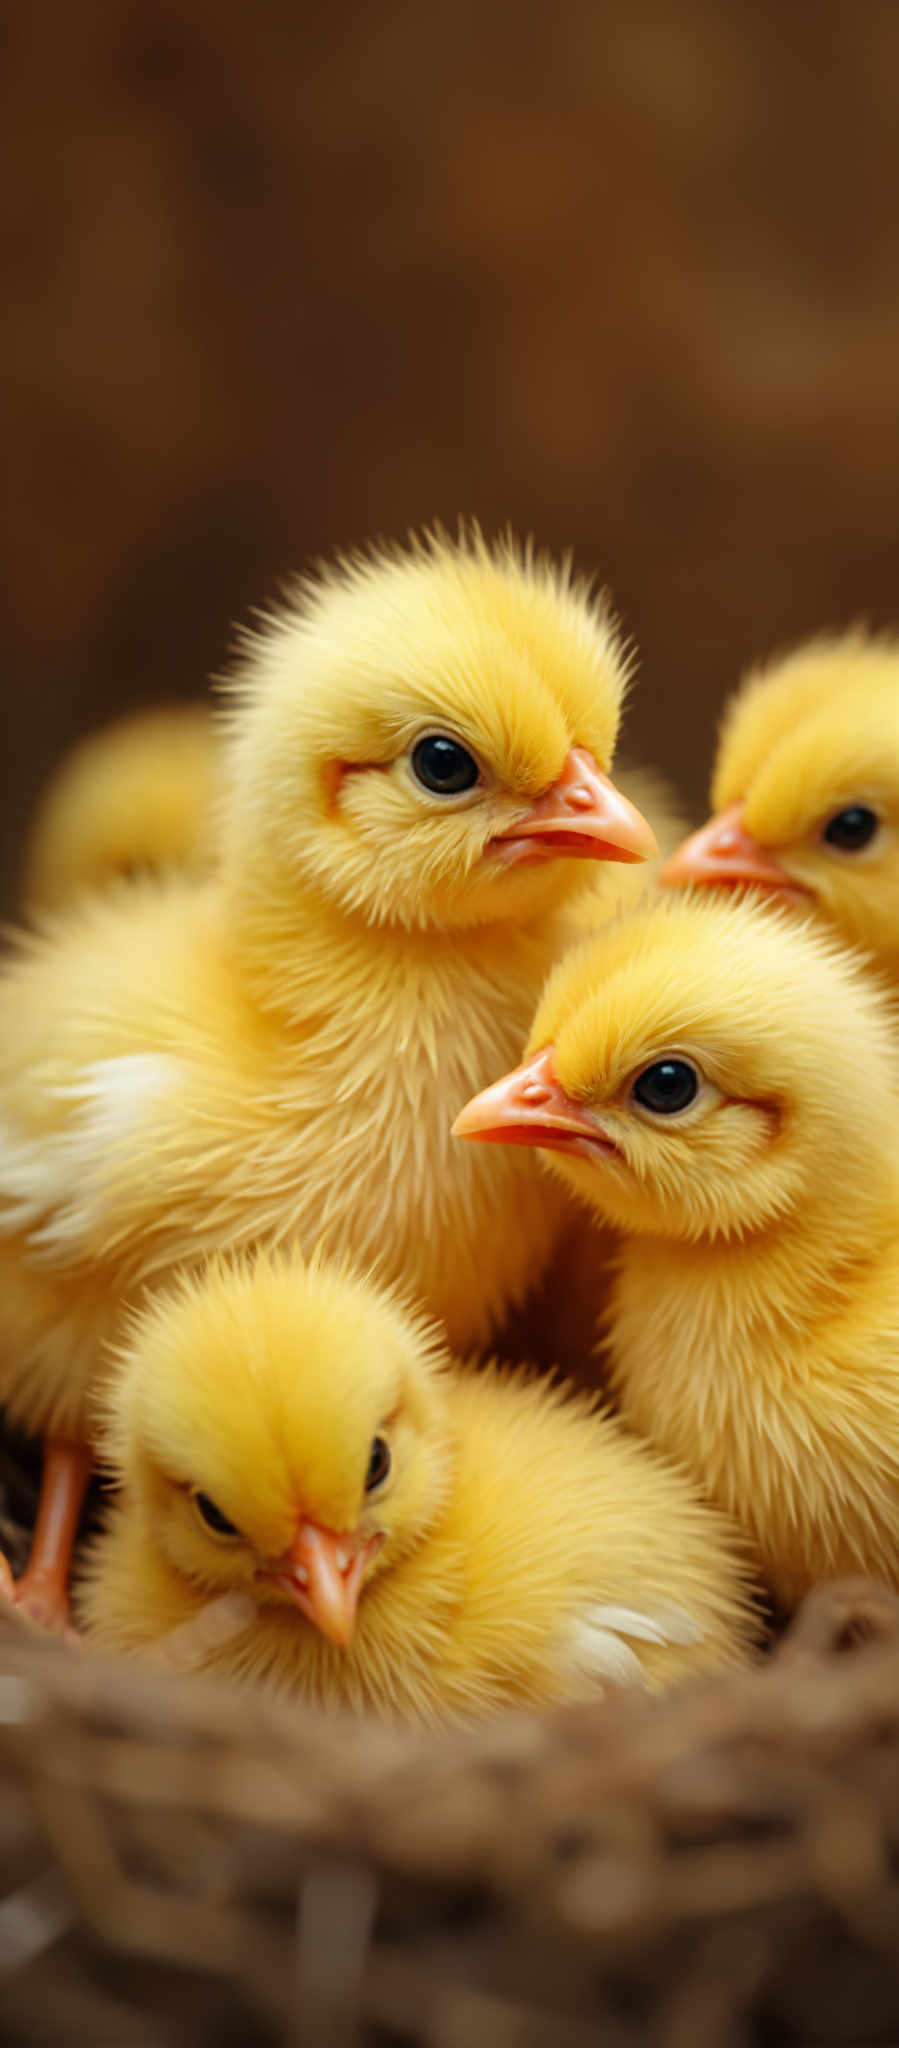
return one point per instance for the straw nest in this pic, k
(185, 1862)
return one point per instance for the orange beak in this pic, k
(583, 814)
(322, 1572)
(724, 855)
(530, 1107)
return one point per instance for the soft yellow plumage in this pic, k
(275, 1054)
(137, 795)
(754, 1327)
(518, 1548)
(805, 742)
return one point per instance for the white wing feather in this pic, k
(53, 1185)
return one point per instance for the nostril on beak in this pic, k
(579, 798)
(535, 1092)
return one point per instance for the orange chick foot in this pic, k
(41, 1596)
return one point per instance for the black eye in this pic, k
(852, 829)
(213, 1516)
(667, 1086)
(378, 1464)
(443, 765)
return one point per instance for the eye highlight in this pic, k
(378, 1463)
(443, 766)
(666, 1087)
(852, 829)
(213, 1517)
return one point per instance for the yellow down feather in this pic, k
(531, 1551)
(135, 796)
(754, 1327)
(275, 1054)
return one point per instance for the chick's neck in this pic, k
(303, 955)
(789, 1276)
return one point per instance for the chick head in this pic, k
(701, 1069)
(806, 790)
(282, 1427)
(421, 733)
(130, 798)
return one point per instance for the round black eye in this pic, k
(852, 829)
(378, 1464)
(213, 1516)
(443, 765)
(667, 1086)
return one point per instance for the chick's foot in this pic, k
(41, 1596)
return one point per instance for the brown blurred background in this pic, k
(284, 275)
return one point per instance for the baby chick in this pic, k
(419, 1540)
(270, 1055)
(721, 1084)
(135, 796)
(806, 792)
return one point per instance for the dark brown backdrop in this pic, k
(279, 275)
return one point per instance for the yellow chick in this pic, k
(270, 1055)
(418, 1539)
(135, 796)
(720, 1083)
(805, 793)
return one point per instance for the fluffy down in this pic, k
(805, 793)
(136, 796)
(754, 1326)
(274, 1054)
(520, 1549)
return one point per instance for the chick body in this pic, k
(753, 1330)
(275, 1054)
(168, 1114)
(137, 795)
(529, 1551)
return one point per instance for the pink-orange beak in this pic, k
(582, 814)
(530, 1107)
(725, 855)
(322, 1572)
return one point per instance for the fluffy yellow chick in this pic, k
(805, 793)
(721, 1084)
(135, 796)
(419, 1540)
(272, 1055)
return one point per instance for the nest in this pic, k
(189, 1862)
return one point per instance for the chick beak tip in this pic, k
(582, 814)
(529, 1107)
(724, 853)
(323, 1575)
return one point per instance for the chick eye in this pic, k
(852, 829)
(443, 765)
(667, 1087)
(213, 1516)
(378, 1464)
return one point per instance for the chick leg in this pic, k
(42, 1591)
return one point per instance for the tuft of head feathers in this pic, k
(804, 738)
(261, 1383)
(135, 797)
(792, 1046)
(496, 646)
